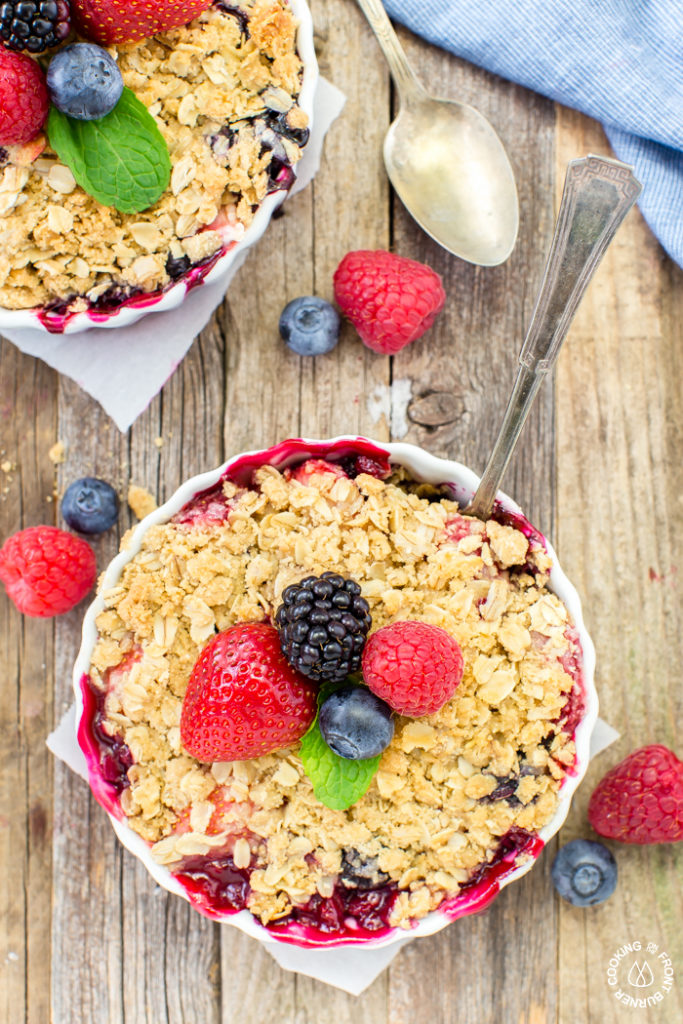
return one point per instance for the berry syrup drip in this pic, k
(574, 710)
(519, 522)
(280, 176)
(115, 757)
(295, 451)
(347, 913)
(57, 315)
(215, 885)
(354, 465)
(515, 841)
(209, 507)
(477, 893)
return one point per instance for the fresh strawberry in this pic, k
(413, 666)
(389, 299)
(244, 699)
(127, 21)
(24, 102)
(641, 799)
(46, 571)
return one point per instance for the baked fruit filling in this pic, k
(223, 91)
(456, 797)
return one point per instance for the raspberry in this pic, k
(24, 101)
(641, 799)
(46, 571)
(413, 666)
(243, 699)
(389, 299)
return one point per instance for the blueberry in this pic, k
(584, 873)
(84, 81)
(309, 326)
(90, 505)
(355, 723)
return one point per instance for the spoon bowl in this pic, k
(446, 163)
(451, 172)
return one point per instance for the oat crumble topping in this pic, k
(215, 94)
(435, 810)
(140, 501)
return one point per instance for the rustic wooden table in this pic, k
(87, 938)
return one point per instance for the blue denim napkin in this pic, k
(620, 61)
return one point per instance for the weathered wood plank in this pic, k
(620, 535)
(87, 858)
(27, 424)
(500, 965)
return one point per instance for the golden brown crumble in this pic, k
(57, 242)
(57, 453)
(427, 817)
(140, 501)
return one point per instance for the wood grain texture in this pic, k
(620, 538)
(27, 418)
(87, 937)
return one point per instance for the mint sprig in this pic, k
(337, 781)
(121, 159)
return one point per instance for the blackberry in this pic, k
(323, 622)
(34, 25)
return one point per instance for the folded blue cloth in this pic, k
(620, 61)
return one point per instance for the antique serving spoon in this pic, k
(446, 163)
(598, 193)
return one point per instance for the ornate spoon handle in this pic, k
(401, 71)
(598, 193)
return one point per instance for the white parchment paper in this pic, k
(350, 969)
(124, 368)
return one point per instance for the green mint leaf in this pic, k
(337, 782)
(121, 159)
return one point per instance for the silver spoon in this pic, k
(598, 193)
(446, 163)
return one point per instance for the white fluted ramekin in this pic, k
(138, 306)
(422, 466)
